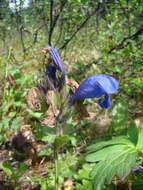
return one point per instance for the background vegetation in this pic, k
(101, 151)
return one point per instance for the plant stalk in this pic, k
(56, 168)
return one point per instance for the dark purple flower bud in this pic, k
(51, 71)
(96, 86)
(51, 78)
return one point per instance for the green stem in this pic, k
(59, 131)
(56, 159)
(56, 168)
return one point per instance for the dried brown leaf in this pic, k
(73, 84)
(32, 99)
(50, 119)
(68, 184)
(27, 132)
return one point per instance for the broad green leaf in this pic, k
(113, 141)
(118, 160)
(140, 141)
(133, 133)
(98, 156)
(128, 161)
(119, 115)
(106, 152)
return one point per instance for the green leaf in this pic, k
(133, 133)
(73, 140)
(45, 152)
(7, 168)
(119, 115)
(140, 141)
(70, 126)
(61, 140)
(113, 157)
(128, 161)
(16, 123)
(84, 172)
(21, 170)
(48, 138)
(12, 114)
(113, 141)
(99, 155)
(115, 160)
(35, 114)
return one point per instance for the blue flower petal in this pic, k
(137, 169)
(106, 102)
(88, 90)
(57, 60)
(58, 66)
(96, 86)
(108, 83)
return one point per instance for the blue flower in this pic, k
(58, 65)
(137, 169)
(96, 86)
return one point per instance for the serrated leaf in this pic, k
(99, 155)
(113, 141)
(125, 168)
(107, 152)
(114, 163)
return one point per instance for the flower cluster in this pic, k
(96, 86)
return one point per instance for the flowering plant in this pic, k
(95, 86)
